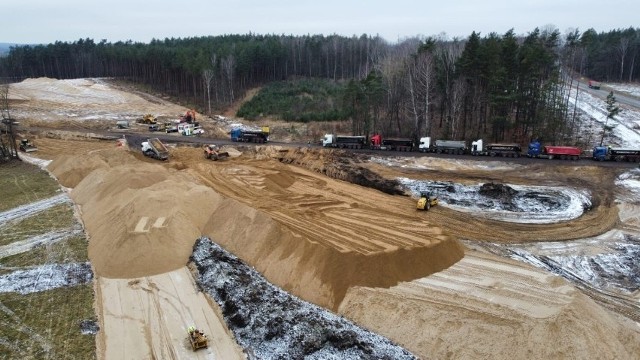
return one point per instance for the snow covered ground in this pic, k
(46, 277)
(521, 204)
(275, 324)
(630, 89)
(626, 132)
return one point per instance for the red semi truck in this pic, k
(536, 150)
(378, 143)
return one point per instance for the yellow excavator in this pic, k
(426, 201)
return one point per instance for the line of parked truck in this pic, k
(536, 149)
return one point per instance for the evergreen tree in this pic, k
(612, 111)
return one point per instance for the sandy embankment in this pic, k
(143, 218)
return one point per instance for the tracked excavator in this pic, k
(426, 201)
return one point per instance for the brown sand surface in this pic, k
(327, 240)
(489, 307)
(148, 317)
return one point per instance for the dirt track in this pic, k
(327, 240)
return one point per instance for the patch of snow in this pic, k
(435, 163)
(41, 163)
(46, 277)
(276, 325)
(527, 204)
(630, 180)
(607, 262)
(631, 89)
(49, 238)
(626, 132)
(27, 210)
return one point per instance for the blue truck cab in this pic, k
(601, 153)
(535, 149)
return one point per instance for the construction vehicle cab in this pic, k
(197, 338)
(212, 152)
(426, 201)
(148, 119)
(27, 146)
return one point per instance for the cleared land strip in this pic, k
(27, 210)
(51, 237)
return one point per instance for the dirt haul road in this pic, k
(363, 253)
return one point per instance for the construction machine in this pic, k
(27, 146)
(155, 149)
(197, 338)
(189, 117)
(212, 152)
(426, 201)
(148, 119)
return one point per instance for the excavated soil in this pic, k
(331, 228)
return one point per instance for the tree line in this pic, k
(498, 87)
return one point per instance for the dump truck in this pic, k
(344, 141)
(608, 153)
(450, 147)
(536, 150)
(212, 152)
(155, 149)
(397, 144)
(27, 146)
(197, 338)
(495, 149)
(250, 135)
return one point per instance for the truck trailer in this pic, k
(250, 135)
(344, 141)
(536, 150)
(496, 149)
(450, 147)
(442, 146)
(608, 153)
(155, 149)
(398, 144)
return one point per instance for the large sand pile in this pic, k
(144, 217)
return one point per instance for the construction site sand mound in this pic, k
(144, 217)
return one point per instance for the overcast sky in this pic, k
(46, 21)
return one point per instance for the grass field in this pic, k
(42, 325)
(22, 183)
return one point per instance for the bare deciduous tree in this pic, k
(228, 68)
(207, 77)
(458, 91)
(8, 148)
(622, 49)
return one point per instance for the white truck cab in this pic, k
(425, 144)
(477, 147)
(328, 140)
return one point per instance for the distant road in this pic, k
(135, 138)
(621, 98)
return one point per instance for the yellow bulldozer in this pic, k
(148, 119)
(426, 201)
(197, 338)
